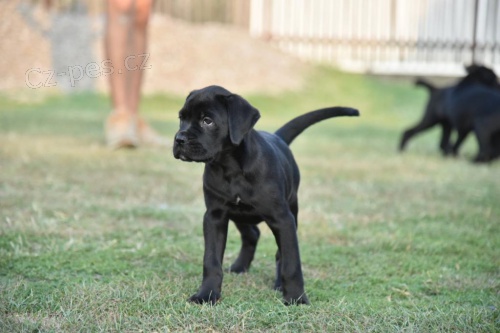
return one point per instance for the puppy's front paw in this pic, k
(205, 297)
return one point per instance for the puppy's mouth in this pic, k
(178, 154)
(183, 158)
(191, 154)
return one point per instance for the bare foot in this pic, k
(121, 130)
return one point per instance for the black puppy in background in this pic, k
(434, 114)
(475, 107)
(250, 176)
(440, 107)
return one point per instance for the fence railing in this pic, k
(234, 12)
(433, 37)
(425, 37)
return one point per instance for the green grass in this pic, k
(93, 240)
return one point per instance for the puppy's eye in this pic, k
(207, 121)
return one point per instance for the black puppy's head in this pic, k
(482, 74)
(212, 120)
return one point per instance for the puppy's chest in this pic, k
(237, 189)
(234, 188)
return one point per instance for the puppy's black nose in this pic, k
(180, 138)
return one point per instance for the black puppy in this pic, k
(477, 108)
(250, 177)
(434, 115)
(439, 109)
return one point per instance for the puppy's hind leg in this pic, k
(283, 225)
(484, 136)
(445, 144)
(495, 142)
(462, 135)
(294, 208)
(249, 238)
(425, 124)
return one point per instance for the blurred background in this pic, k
(111, 240)
(251, 45)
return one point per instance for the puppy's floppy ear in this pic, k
(241, 117)
(191, 93)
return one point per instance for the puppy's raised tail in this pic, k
(423, 83)
(294, 127)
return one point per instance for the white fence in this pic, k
(424, 37)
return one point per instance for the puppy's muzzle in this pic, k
(181, 138)
(180, 141)
(188, 149)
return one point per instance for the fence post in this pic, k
(474, 31)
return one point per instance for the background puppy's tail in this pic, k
(294, 127)
(426, 84)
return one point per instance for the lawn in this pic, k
(93, 240)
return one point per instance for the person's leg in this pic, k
(126, 45)
(121, 125)
(117, 47)
(141, 10)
